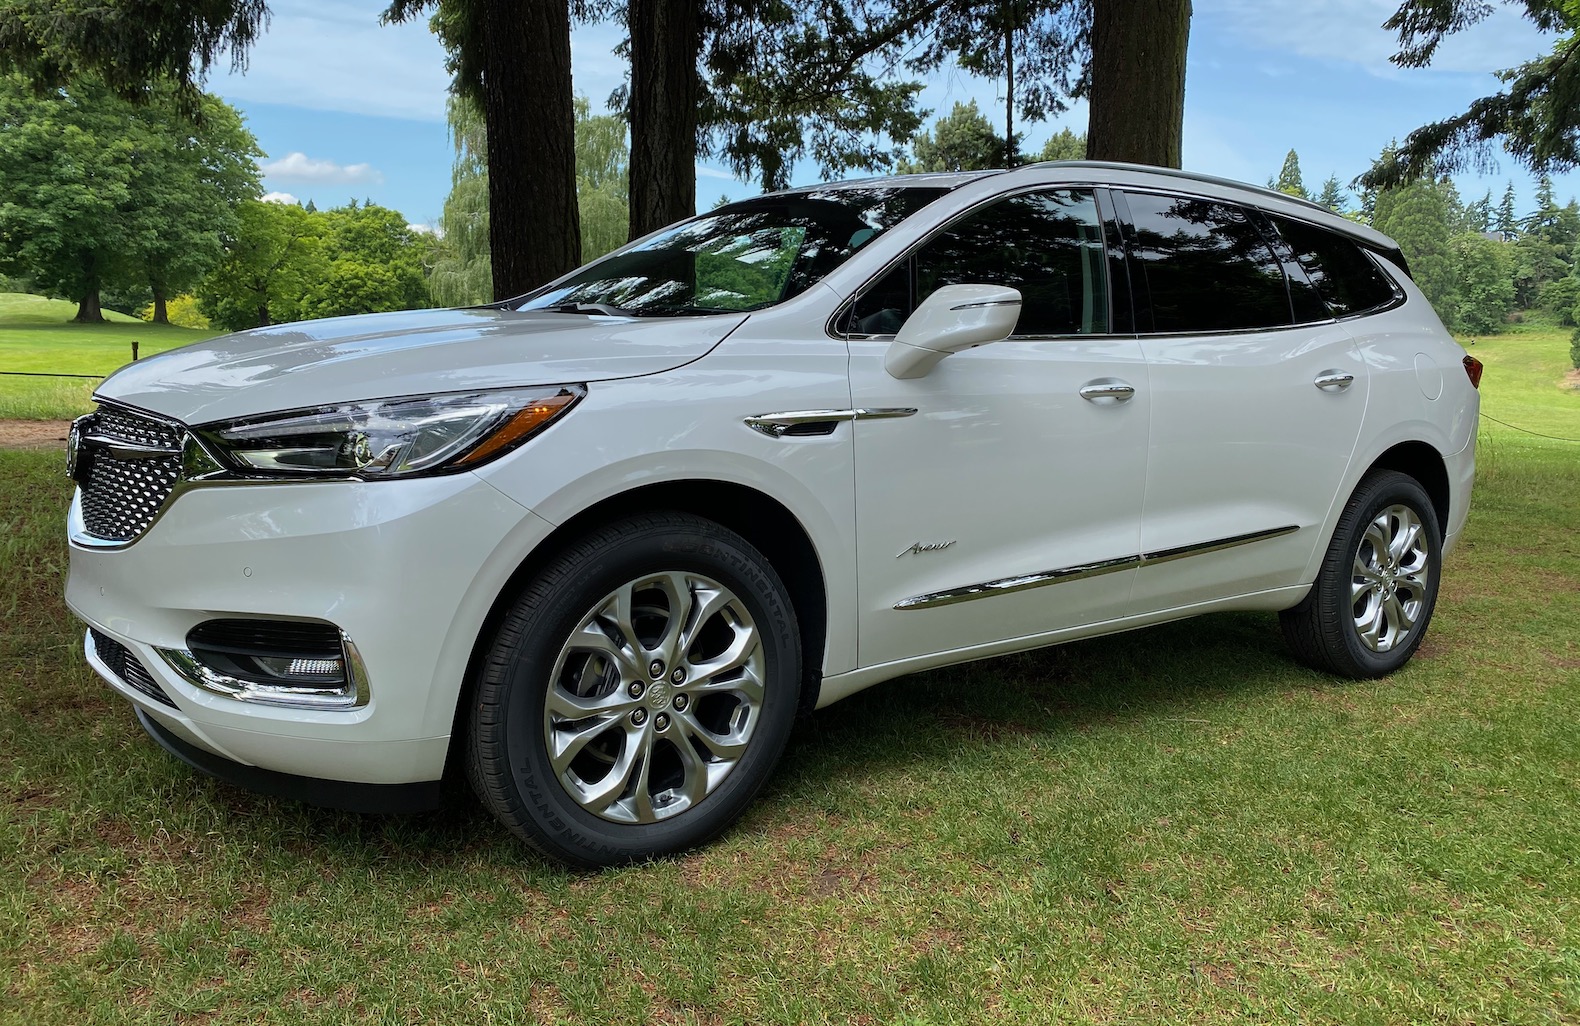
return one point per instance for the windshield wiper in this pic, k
(592, 308)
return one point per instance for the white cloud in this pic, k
(424, 229)
(713, 172)
(1351, 31)
(299, 167)
(281, 197)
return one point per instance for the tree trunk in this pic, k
(88, 311)
(666, 41)
(533, 224)
(1138, 80)
(263, 315)
(161, 313)
(1009, 89)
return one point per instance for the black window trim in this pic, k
(1105, 214)
(1370, 252)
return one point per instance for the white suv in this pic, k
(597, 546)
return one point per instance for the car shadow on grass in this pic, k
(1189, 668)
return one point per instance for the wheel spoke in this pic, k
(723, 747)
(593, 637)
(562, 705)
(1359, 589)
(1407, 536)
(741, 649)
(1398, 617)
(601, 794)
(1371, 633)
(696, 775)
(710, 602)
(1365, 570)
(567, 744)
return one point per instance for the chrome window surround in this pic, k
(1025, 582)
(354, 694)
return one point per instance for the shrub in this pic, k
(182, 310)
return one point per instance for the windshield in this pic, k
(743, 256)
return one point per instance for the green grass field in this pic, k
(36, 335)
(1171, 826)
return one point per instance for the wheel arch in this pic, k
(762, 520)
(1422, 462)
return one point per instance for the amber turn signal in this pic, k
(525, 423)
(1473, 371)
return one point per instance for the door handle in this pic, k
(1107, 391)
(1334, 380)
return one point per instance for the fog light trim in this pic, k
(352, 692)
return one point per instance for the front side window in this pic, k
(744, 256)
(1048, 245)
(1206, 265)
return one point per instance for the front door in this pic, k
(1009, 504)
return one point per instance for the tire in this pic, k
(1367, 612)
(605, 728)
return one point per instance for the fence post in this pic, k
(134, 350)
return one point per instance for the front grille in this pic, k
(125, 666)
(121, 497)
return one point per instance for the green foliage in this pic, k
(1536, 115)
(1064, 145)
(97, 193)
(1418, 217)
(1560, 297)
(1485, 290)
(1574, 344)
(275, 257)
(1332, 195)
(376, 263)
(962, 141)
(460, 274)
(1289, 178)
(182, 312)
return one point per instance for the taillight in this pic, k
(1473, 371)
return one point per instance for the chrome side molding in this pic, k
(777, 425)
(1025, 582)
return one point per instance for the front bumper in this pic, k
(408, 569)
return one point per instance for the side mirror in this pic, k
(953, 318)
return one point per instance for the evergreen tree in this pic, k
(1418, 217)
(1485, 290)
(962, 141)
(1506, 224)
(1289, 177)
(1332, 195)
(1478, 215)
(1064, 145)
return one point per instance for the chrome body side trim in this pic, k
(776, 425)
(1025, 582)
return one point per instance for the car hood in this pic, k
(378, 356)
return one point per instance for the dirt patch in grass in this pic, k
(1572, 380)
(33, 434)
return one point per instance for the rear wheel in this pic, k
(638, 694)
(1373, 598)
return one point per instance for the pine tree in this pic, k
(1506, 224)
(1289, 178)
(1332, 195)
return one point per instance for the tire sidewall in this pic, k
(528, 666)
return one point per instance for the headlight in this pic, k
(390, 437)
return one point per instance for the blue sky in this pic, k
(345, 107)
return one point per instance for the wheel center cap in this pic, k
(658, 695)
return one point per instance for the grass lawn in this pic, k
(1174, 825)
(36, 334)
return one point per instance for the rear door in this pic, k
(1257, 400)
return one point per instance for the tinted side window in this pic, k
(1206, 266)
(1048, 245)
(1346, 278)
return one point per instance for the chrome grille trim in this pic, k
(133, 466)
(119, 660)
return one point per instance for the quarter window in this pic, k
(1346, 278)
(1048, 245)
(1206, 266)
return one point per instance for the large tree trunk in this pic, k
(88, 311)
(534, 228)
(161, 312)
(666, 41)
(1138, 80)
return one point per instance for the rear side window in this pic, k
(1206, 265)
(1348, 280)
(1049, 245)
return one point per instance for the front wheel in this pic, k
(638, 694)
(1368, 610)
